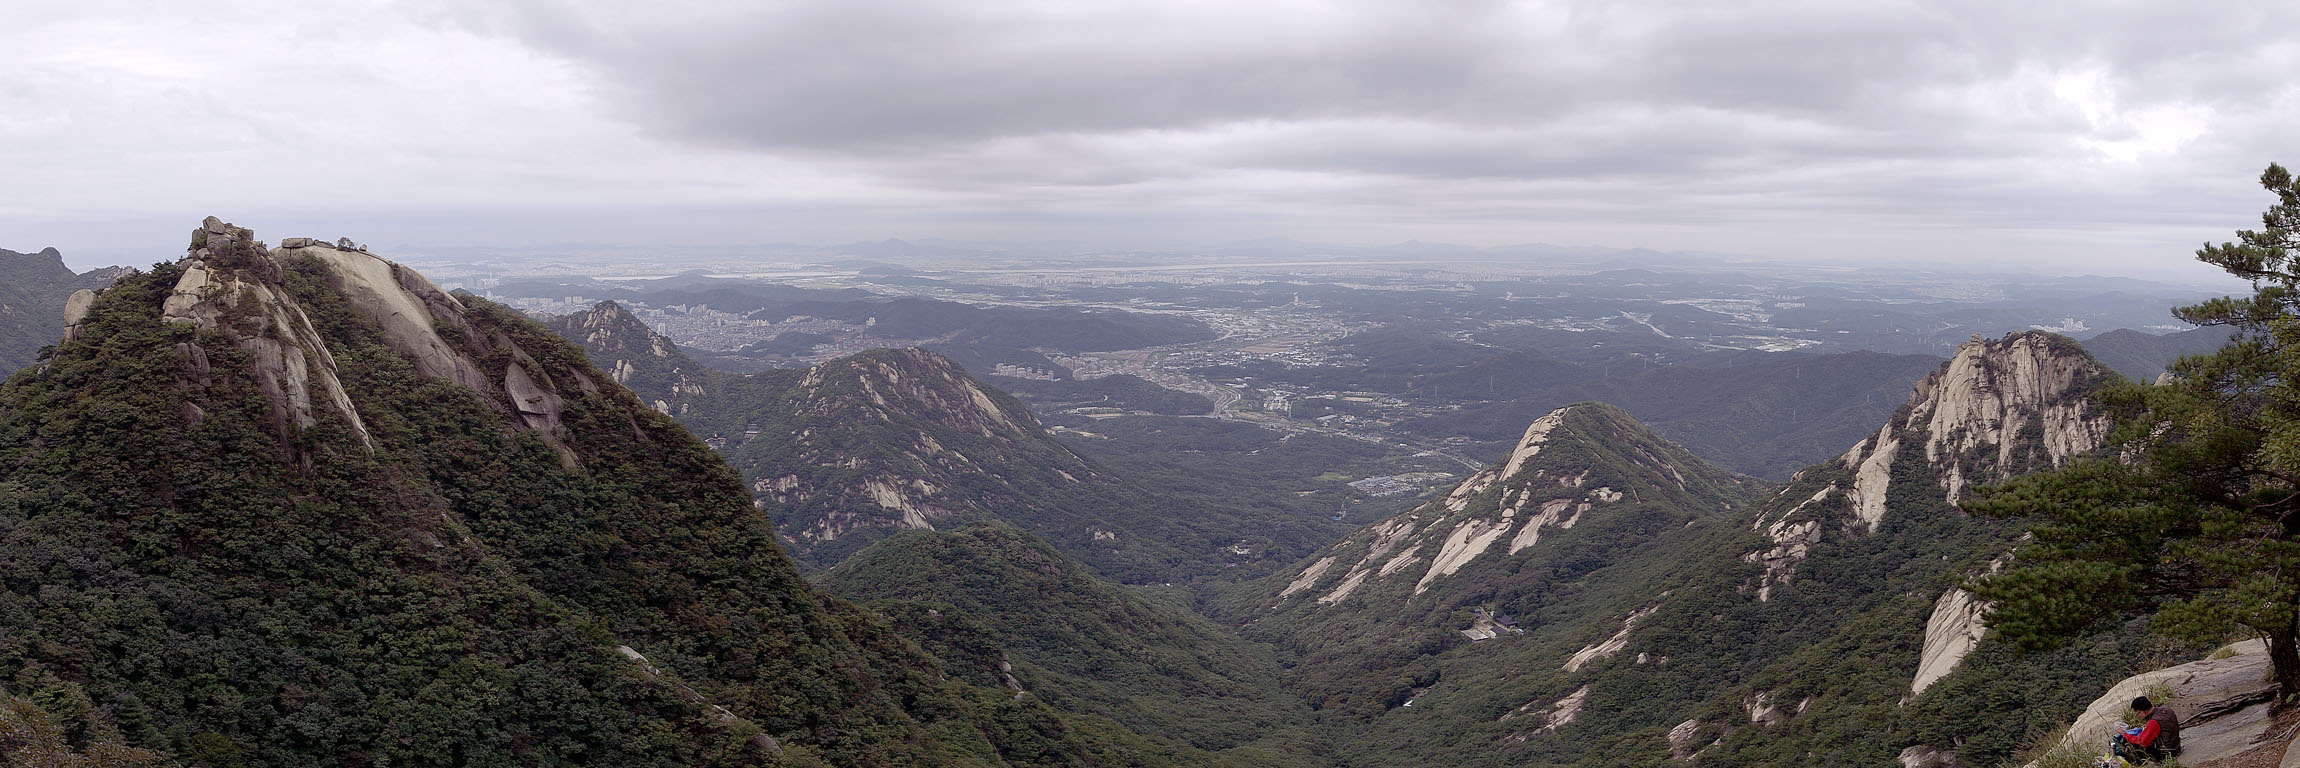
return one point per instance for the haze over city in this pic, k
(2038, 136)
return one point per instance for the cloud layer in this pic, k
(1942, 130)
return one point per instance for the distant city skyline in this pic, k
(2050, 136)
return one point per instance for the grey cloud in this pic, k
(878, 73)
(1700, 85)
(2119, 128)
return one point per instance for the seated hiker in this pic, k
(2157, 738)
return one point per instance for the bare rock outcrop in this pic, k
(538, 407)
(1958, 623)
(1996, 409)
(1921, 756)
(434, 331)
(1763, 711)
(76, 309)
(2233, 679)
(1610, 645)
(230, 284)
(1870, 479)
(1517, 504)
(1976, 408)
(1554, 717)
(410, 310)
(1681, 739)
(1793, 533)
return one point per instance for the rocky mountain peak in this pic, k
(1575, 461)
(890, 384)
(2001, 407)
(851, 450)
(1997, 408)
(635, 356)
(236, 291)
(629, 609)
(43, 257)
(944, 432)
(612, 330)
(232, 286)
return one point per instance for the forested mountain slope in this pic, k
(1821, 625)
(849, 451)
(1003, 609)
(1554, 535)
(299, 507)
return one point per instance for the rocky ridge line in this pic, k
(233, 284)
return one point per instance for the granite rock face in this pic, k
(233, 284)
(1508, 509)
(1996, 409)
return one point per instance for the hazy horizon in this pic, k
(2044, 137)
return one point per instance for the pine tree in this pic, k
(2194, 514)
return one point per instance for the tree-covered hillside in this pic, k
(999, 607)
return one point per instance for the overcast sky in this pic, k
(2105, 137)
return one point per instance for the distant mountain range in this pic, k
(2142, 356)
(33, 287)
(846, 452)
(910, 318)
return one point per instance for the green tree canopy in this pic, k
(2194, 514)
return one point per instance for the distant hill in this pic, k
(847, 452)
(951, 322)
(908, 318)
(1120, 391)
(33, 287)
(725, 294)
(2143, 356)
(1001, 608)
(1763, 413)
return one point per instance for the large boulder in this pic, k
(76, 309)
(2235, 682)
